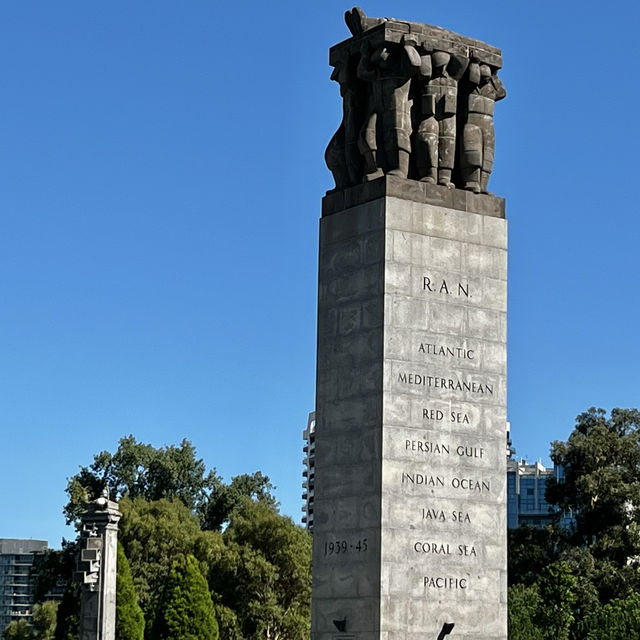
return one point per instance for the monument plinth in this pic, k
(410, 458)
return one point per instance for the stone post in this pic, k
(97, 569)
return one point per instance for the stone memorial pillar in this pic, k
(410, 462)
(97, 569)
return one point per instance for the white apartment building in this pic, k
(16, 597)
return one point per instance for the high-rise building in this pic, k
(16, 594)
(526, 501)
(526, 486)
(309, 435)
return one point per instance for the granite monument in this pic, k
(410, 458)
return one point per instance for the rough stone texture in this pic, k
(410, 475)
(97, 570)
(349, 393)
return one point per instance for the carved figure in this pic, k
(478, 139)
(436, 108)
(413, 105)
(385, 137)
(342, 155)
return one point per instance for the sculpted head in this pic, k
(440, 59)
(340, 73)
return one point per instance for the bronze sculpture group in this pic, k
(416, 104)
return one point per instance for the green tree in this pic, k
(523, 604)
(44, 620)
(41, 627)
(53, 568)
(556, 588)
(138, 470)
(585, 569)
(68, 615)
(18, 630)
(601, 488)
(224, 499)
(618, 619)
(185, 610)
(129, 617)
(153, 535)
(531, 549)
(264, 576)
(258, 569)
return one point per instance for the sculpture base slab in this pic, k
(391, 186)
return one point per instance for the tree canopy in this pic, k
(523, 605)
(138, 470)
(585, 575)
(18, 630)
(129, 616)
(618, 619)
(185, 610)
(256, 563)
(68, 618)
(601, 486)
(265, 574)
(41, 627)
(153, 534)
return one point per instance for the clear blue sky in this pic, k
(161, 172)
